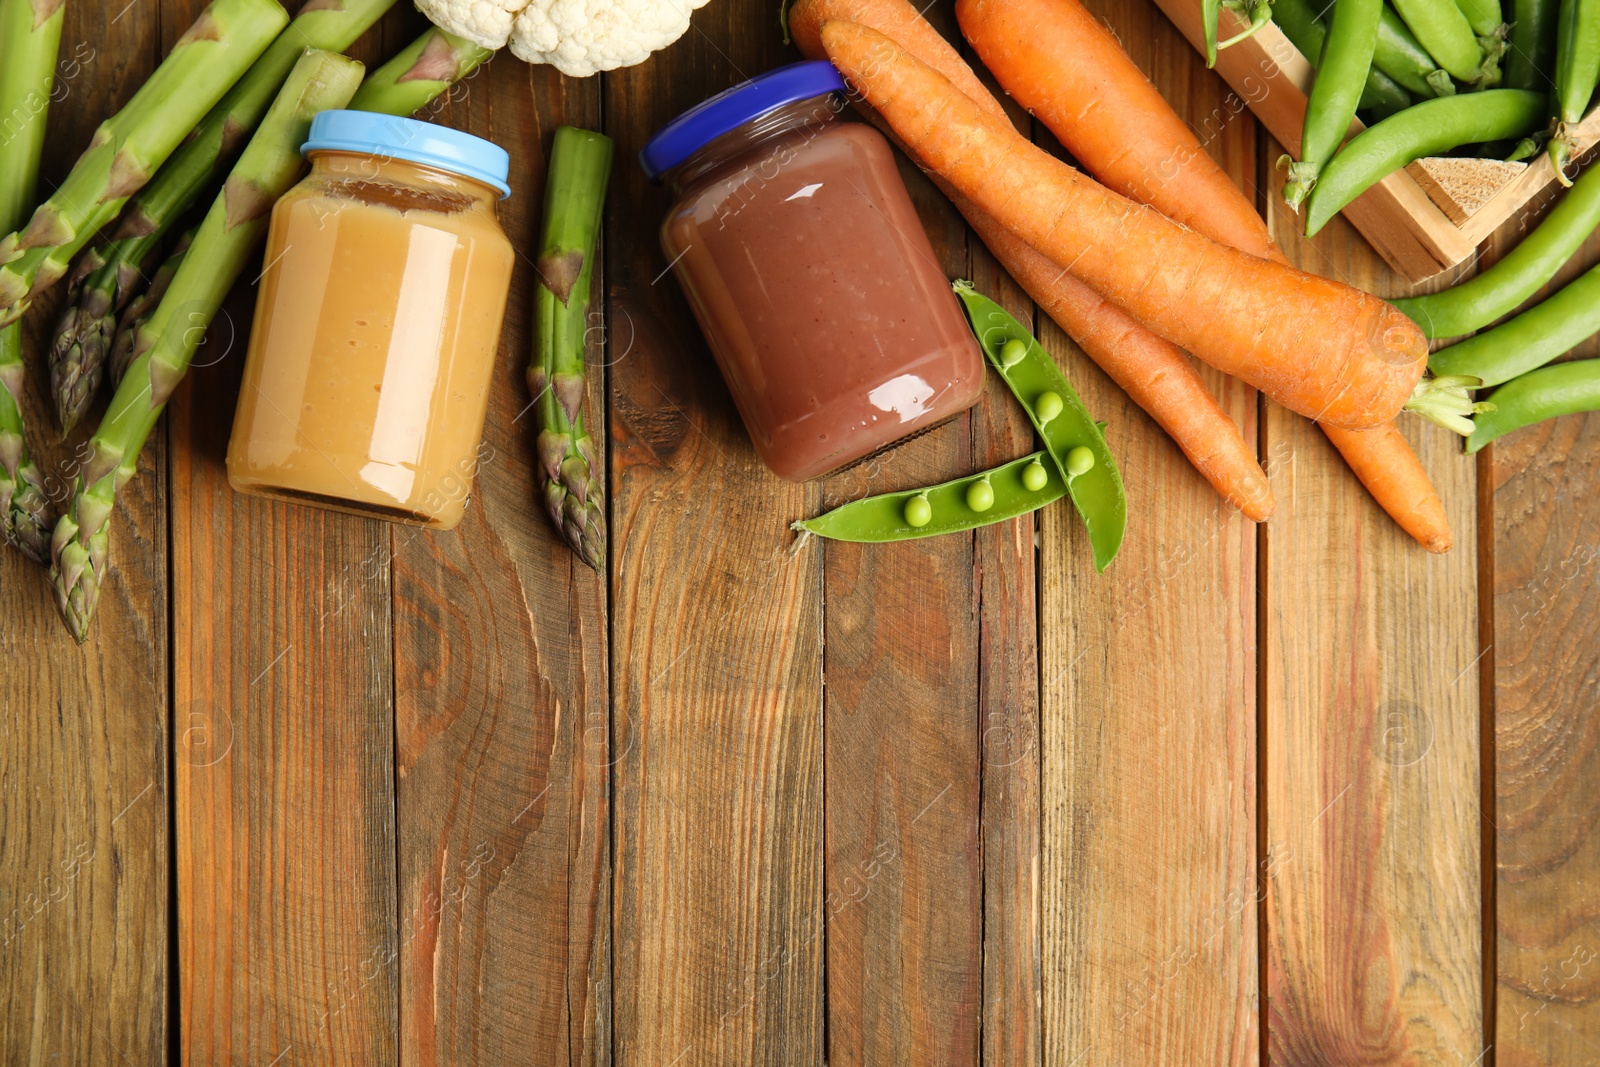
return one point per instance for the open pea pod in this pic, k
(1062, 422)
(1006, 491)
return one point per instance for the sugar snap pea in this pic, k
(1577, 73)
(1478, 301)
(1482, 15)
(1564, 389)
(1447, 35)
(1381, 95)
(1401, 56)
(1531, 339)
(1532, 55)
(1429, 128)
(1346, 59)
(1059, 417)
(1013, 489)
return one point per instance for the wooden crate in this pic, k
(1423, 219)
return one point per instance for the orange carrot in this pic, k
(1059, 62)
(1153, 372)
(1393, 474)
(1316, 346)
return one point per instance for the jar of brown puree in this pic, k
(377, 323)
(804, 261)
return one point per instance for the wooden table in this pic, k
(324, 790)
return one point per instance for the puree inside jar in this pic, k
(821, 298)
(368, 378)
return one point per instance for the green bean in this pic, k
(1577, 72)
(1529, 340)
(1482, 15)
(1564, 389)
(1428, 129)
(1059, 417)
(1382, 95)
(1015, 488)
(1478, 301)
(1447, 35)
(1346, 58)
(1401, 56)
(1533, 44)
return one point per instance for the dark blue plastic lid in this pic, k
(732, 108)
(413, 141)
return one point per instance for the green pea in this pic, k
(1562, 389)
(1341, 77)
(1012, 353)
(1058, 417)
(918, 511)
(980, 495)
(1529, 340)
(1034, 476)
(1080, 461)
(950, 509)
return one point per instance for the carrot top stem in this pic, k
(1447, 401)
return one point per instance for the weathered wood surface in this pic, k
(84, 796)
(1149, 922)
(451, 798)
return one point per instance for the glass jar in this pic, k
(804, 261)
(377, 322)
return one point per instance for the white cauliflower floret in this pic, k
(486, 23)
(583, 37)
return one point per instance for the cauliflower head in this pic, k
(577, 37)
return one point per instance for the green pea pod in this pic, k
(1210, 11)
(883, 518)
(1401, 56)
(1430, 128)
(1531, 339)
(1346, 58)
(1577, 72)
(1062, 423)
(1256, 13)
(1533, 44)
(1382, 95)
(1482, 15)
(1480, 300)
(1564, 389)
(1447, 35)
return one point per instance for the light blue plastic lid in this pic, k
(413, 141)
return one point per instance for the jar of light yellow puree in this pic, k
(377, 323)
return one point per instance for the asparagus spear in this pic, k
(140, 309)
(77, 356)
(165, 344)
(30, 35)
(130, 145)
(575, 194)
(413, 79)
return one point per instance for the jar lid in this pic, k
(732, 108)
(413, 141)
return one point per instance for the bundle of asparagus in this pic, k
(233, 227)
(30, 34)
(106, 278)
(129, 146)
(111, 283)
(575, 196)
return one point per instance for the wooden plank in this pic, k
(283, 694)
(1008, 717)
(1148, 685)
(716, 654)
(501, 701)
(904, 879)
(1370, 687)
(1541, 515)
(84, 802)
